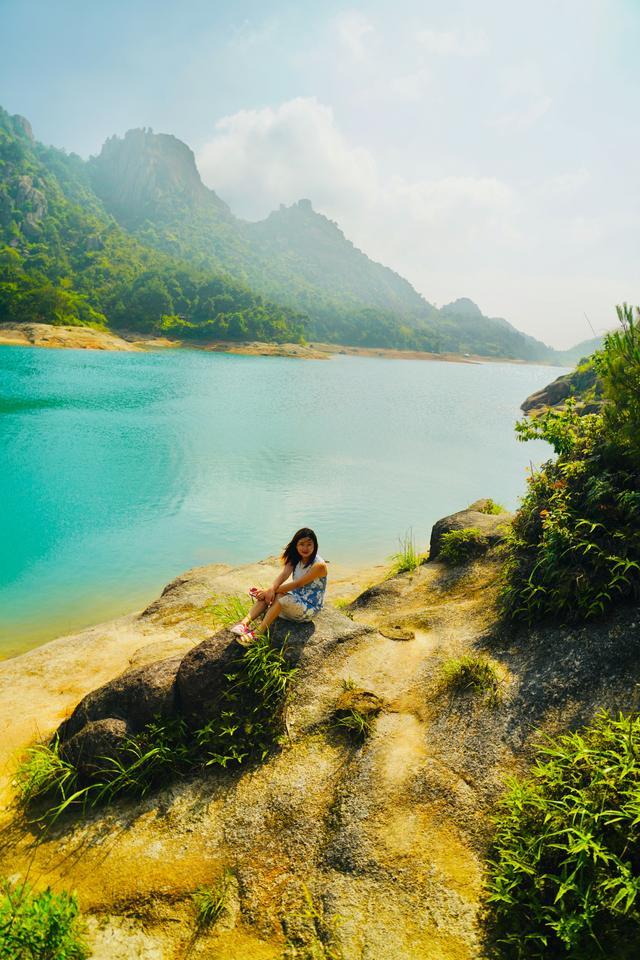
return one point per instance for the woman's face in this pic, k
(305, 547)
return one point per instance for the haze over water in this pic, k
(120, 470)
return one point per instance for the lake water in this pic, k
(118, 471)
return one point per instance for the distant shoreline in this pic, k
(88, 338)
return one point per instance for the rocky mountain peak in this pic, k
(144, 174)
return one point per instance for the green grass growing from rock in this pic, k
(472, 673)
(210, 903)
(564, 875)
(39, 926)
(461, 546)
(492, 508)
(407, 557)
(247, 726)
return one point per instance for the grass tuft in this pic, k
(39, 926)
(355, 724)
(211, 902)
(407, 558)
(472, 673)
(224, 611)
(461, 546)
(310, 933)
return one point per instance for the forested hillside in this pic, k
(132, 239)
(64, 259)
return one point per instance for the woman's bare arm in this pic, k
(317, 570)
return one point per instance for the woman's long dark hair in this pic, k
(291, 555)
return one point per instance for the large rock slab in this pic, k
(492, 526)
(136, 696)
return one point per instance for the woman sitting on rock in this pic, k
(297, 599)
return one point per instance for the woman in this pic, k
(300, 598)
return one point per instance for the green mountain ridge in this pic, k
(134, 239)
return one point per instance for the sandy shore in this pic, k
(87, 338)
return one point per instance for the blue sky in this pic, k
(484, 150)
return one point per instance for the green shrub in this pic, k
(39, 926)
(407, 558)
(460, 546)
(574, 546)
(564, 872)
(492, 508)
(471, 673)
(247, 725)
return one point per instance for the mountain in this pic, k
(65, 260)
(133, 238)
(581, 350)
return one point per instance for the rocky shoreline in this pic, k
(388, 836)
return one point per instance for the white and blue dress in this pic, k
(303, 603)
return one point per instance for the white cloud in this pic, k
(524, 117)
(451, 236)
(353, 29)
(447, 43)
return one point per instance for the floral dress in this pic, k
(311, 595)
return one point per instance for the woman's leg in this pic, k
(255, 611)
(269, 616)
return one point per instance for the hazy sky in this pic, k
(488, 150)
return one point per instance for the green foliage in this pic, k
(574, 547)
(492, 508)
(461, 546)
(224, 611)
(619, 367)
(247, 724)
(472, 673)
(39, 926)
(64, 260)
(211, 902)
(358, 726)
(564, 874)
(251, 709)
(407, 558)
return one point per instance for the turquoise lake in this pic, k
(119, 471)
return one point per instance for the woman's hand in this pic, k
(268, 595)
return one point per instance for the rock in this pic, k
(360, 701)
(397, 633)
(582, 383)
(97, 740)
(201, 677)
(136, 696)
(491, 526)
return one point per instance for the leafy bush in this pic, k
(492, 508)
(460, 546)
(574, 547)
(39, 926)
(564, 873)
(473, 673)
(247, 725)
(407, 558)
